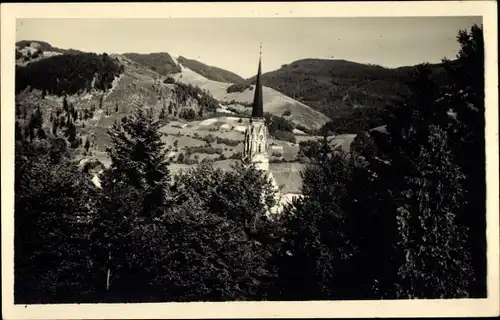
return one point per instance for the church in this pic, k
(255, 146)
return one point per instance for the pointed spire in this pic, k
(258, 105)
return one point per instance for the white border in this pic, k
(348, 309)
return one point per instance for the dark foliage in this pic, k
(138, 157)
(169, 80)
(310, 266)
(183, 92)
(187, 114)
(275, 123)
(69, 73)
(54, 206)
(160, 62)
(285, 136)
(466, 96)
(228, 142)
(204, 149)
(237, 87)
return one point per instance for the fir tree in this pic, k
(465, 94)
(87, 144)
(408, 196)
(163, 115)
(41, 134)
(137, 154)
(435, 261)
(36, 119)
(101, 101)
(315, 259)
(18, 132)
(65, 104)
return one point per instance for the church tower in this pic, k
(255, 144)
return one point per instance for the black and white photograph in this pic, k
(243, 159)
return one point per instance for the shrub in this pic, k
(229, 142)
(209, 138)
(237, 87)
(275, 123)
(205, 150)
(169, 80)
(187, 114)
(287, 113)
(285, 136)
(236, 155)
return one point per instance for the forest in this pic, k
(69, 73)
(406, 220)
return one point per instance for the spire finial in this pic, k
(260, 52)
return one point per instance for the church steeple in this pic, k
(258, 106)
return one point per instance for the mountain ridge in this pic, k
(350, 95)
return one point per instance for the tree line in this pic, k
(405, 221)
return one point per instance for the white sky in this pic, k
(233, 43)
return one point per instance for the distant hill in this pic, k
(160, 62)
(275, 102)
(44, 46)
(209, 72)
(41, 44)
(352, 94)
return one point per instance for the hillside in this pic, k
(33, 50)
(195, 111)
(210, 72)
(160, 62)
(275, 102)
(352, 94)
(44, 46)
(68, 73)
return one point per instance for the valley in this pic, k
(169, 90)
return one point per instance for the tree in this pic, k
(465, 94)
(211, 259)
(187, 114)
(413, 190)
(315, 259)
(101, 101)
(65, 104)
(180, 158)
(71, 132)
(41, 134)
(36, 120)
(87, 144)
(163, 115)
(54, 205)
(113, 238)
(238, 199)
(138, 157)
(18, 132)
(435, 261)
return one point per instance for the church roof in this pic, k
(258, 106)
